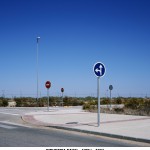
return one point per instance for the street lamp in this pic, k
(37, 68)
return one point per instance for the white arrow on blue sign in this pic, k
(99, 69)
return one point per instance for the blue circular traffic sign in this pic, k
(110, 87)
(99, 69)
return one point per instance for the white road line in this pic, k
(7, 127)
(11, 123)
(10, 114)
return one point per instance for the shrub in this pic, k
(105, 101)
(4, 103)
(118, 100)
(132, 103)
(18, 103)
(119, 110)
(86, 106)
(89, 107)
(146, 107)
(1, 102)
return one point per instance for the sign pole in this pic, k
(62, 90)
(99, 70)
(110, 88)
(62, 100)
(98, 96)
(48, 85)
(48, 98)
(110, 99)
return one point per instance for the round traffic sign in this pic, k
(48, 84)
(99, 69)
(110, 87)
(62, 89)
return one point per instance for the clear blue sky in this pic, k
(74, 35)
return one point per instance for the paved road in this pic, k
(19, 136)
(15, 133)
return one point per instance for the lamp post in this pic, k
(37, 67)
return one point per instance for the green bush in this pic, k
(105, 101)
(5, 103)
(89, 107)
(1, 102)
(132, 103)
(118, 100)
(18, 103)
(119, 110)
(86, 106)
(25, 102)
(146, 107)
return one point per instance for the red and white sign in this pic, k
(48, 84)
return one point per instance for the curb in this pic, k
(102, 134)
(38, 123)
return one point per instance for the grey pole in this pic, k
(37, 68)
(62, 100)
(110, 88)
(48, 99)
(98, 96)
(110, 99)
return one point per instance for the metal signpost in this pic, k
(62, 90)
(48, 85)
(38, 38)
(99, 70)
(110, 88)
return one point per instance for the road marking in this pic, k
(12, 123)
(10, 114)
(7, 127)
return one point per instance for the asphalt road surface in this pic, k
(16, 133)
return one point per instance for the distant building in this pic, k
(11, 103)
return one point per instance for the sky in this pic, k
(74, 35)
